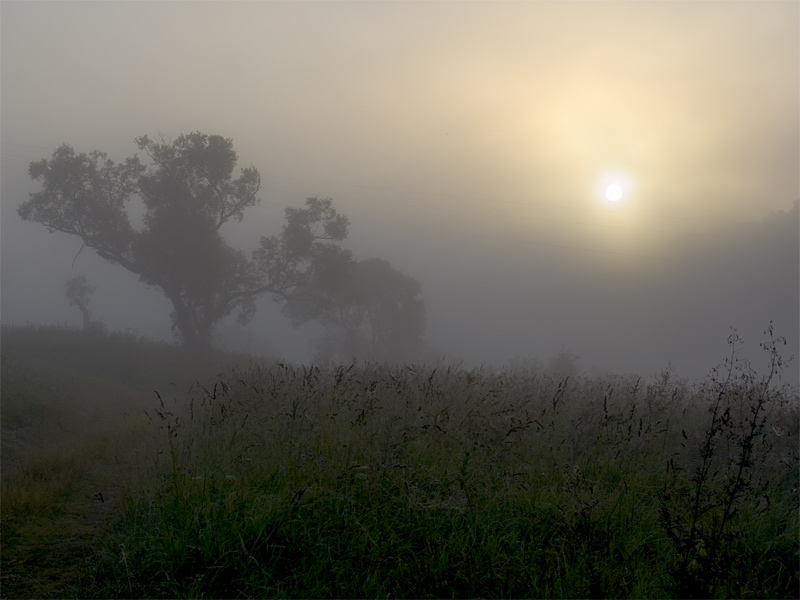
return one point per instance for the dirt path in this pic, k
(50, 557)
(49, 549)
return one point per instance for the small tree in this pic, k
(369, 309)
(78, 292)
(565, 363)
(189, 192)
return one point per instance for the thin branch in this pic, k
(76, 256)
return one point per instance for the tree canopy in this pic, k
(369, 310)
(189, 192)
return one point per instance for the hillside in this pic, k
(58, 383)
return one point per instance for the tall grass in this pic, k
(373, 480)
(59, 384)
(71, 436)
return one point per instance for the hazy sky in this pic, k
(470, 144)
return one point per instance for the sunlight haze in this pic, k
(471, 144)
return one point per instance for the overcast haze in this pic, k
(470, 145)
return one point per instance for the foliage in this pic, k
(729, 476)
(189, 192)
(370, 310)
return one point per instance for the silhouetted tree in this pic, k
(565, 363)
(189, 192)
(78, 292)
(369, 310)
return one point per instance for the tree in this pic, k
(369, 309)
(189, 192)
(565, 363)
(78, 292)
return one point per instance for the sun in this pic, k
(614, 192)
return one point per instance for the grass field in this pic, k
(131, 469)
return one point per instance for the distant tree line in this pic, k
(189, 191)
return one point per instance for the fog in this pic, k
(469, 144)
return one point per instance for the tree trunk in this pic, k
(87, 322)
(192, 335)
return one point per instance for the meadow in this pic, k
(132, 469)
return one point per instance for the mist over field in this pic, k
(399, 299)
(470, 145)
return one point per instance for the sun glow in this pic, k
(614, 192)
